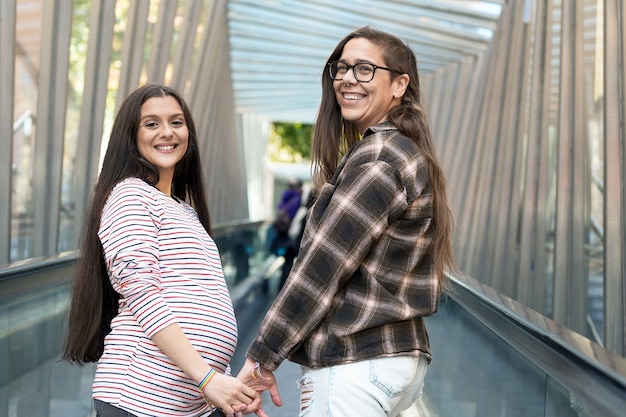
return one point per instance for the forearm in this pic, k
(174, 343)
(221, 390)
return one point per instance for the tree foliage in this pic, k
(290, 142)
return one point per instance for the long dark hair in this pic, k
(333, 135)
(94, 303)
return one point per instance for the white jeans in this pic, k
(379, 387)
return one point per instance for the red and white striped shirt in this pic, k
(167, 270)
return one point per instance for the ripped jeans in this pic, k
(378, 387)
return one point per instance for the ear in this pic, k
(400, 84)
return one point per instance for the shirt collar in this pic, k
(381, 127)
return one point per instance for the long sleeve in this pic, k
(128, 233)
(363, 264)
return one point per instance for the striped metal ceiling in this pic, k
(279, 47)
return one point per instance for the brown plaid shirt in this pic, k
(363, 280)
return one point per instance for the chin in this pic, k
(348, 116)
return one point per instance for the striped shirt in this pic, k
(363, 280)
(167, 270)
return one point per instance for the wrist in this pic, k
(256, 372)
(206, 379)
(204, 382)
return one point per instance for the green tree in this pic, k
(290, 142)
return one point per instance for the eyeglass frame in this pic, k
(353, 67)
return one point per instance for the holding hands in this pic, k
(229, 394)
(260, 379)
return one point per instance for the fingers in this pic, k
(240, 408)
(261, 413)
(230, 394)
(249, 392)
(251, 408)
(275, 395)
(230, 410)
(247, 400)
(261, 379)
(269, 383)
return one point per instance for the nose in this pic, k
(166, 132)
(350, 76)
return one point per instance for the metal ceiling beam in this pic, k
(278, 47)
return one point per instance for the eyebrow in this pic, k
(358, 61)
(151, 115)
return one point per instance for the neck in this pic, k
(165, 184)
(167, 190)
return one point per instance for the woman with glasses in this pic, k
(377, 244)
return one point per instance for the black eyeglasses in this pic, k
(363, 72)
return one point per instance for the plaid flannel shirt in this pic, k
(363, 280)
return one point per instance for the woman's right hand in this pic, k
(231, 395)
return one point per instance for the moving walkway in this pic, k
(492, 356)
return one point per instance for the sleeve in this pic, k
(346, 219)
(128, 233)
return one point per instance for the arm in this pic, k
(222, 390)
(345, 221)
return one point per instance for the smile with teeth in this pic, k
(353, 96)
(164, 147)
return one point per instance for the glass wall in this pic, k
(71, 64)
(539, 204)
(27, 62)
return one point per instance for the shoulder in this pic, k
(133, 203)
(132, 187)
(400, 152)
(132, 192)
(384, 143)
(391, 139)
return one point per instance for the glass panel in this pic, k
(27, 44)
(554, 45)
(242, 250)
(153, 17)
(561, 403)
(593, 96)
(121, 20)
(468, 362)
(179, 21)
(68, 233)
(475, 373)
(197, 51)
(31, 336)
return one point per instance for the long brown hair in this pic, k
(94, 303)
(333, 135)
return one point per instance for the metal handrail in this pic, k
(35, 274)
(590, 372)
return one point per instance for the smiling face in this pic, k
(162, 137)
(367, 104)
